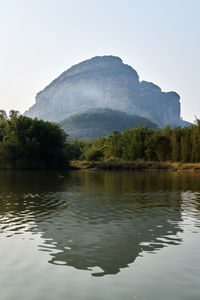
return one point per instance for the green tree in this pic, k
(32, 143)
(3, 115)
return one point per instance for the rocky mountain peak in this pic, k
(105, 82)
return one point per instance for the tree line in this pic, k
(176, 145)
(27, 143)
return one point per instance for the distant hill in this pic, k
(101, 122)
(105, 82)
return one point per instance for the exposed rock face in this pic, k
(105, 82)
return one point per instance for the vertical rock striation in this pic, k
(105, 82)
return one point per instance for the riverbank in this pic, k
(134, 165)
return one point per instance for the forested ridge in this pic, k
(101, 122)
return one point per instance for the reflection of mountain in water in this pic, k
(108, 226)
(90, 219)
(109, 239)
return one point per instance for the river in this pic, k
(94, 235)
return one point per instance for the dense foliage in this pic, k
(176, 145)
(27, 143)
(101, 122)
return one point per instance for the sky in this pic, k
(40, 39)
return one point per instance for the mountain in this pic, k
(101, 122)
(105, 82)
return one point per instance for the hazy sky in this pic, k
(39, 39)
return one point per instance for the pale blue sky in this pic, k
(39, 39)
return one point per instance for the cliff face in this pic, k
(104, 82)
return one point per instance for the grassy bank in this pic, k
(135, 165)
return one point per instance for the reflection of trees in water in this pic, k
(24, 195)
(102, 219)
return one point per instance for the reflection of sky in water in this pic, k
(105, 220)
(191, 209)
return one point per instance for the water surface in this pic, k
(99, 235)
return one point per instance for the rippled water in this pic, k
(99, 235)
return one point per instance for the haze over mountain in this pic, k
(101, 122)
(106, 82)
